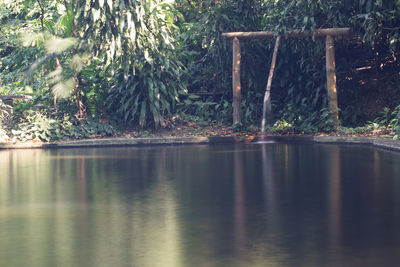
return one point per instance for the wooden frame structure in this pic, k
(329, 35)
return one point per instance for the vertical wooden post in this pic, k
(267, 97)
(331, 79)
(237, 98)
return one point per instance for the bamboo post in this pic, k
(237, 99)
(267, 96)
(331, 79)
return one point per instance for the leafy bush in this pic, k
(38, 126)
(389, 119)
(14, 59)
(301, 118)
(95, 81)
(139, 39)
(4, 116)
(206, 109)
(4, 111)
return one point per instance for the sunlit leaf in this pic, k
(59, 45)
(29, 39)
(55, 76)
(76, 63)
(63, 89)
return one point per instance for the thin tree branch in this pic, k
(41, 13)
(66, 5)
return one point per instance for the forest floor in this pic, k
(180, 128)
(187, 129)
(177, 128)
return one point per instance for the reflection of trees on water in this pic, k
(287, 173)
(172, 206)
(67, 208)
(240, 203)
(335, 200)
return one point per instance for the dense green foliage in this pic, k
(299, 84)
(139, 40)
(136, 61)
(37, 126)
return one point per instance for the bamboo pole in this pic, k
(294, 34)
(237, 99)
(267, 96)
(331, 79)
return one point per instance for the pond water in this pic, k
(220, 205)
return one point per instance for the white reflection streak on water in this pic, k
(270, 248)
(155, 227)
(268, 182)
(287, 167)
(335, 200)
(240, 213)
(377, 175)
(5, 174)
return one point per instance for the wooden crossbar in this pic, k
(291, 34)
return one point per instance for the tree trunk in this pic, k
(81, 114)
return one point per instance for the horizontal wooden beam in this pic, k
(218, 93)
(291, 34)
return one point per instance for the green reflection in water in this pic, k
(63, 210)
(227, 205)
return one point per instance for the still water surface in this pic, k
(221, 205)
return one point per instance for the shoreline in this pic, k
(377, 142)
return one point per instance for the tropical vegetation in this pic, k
(94, 67)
